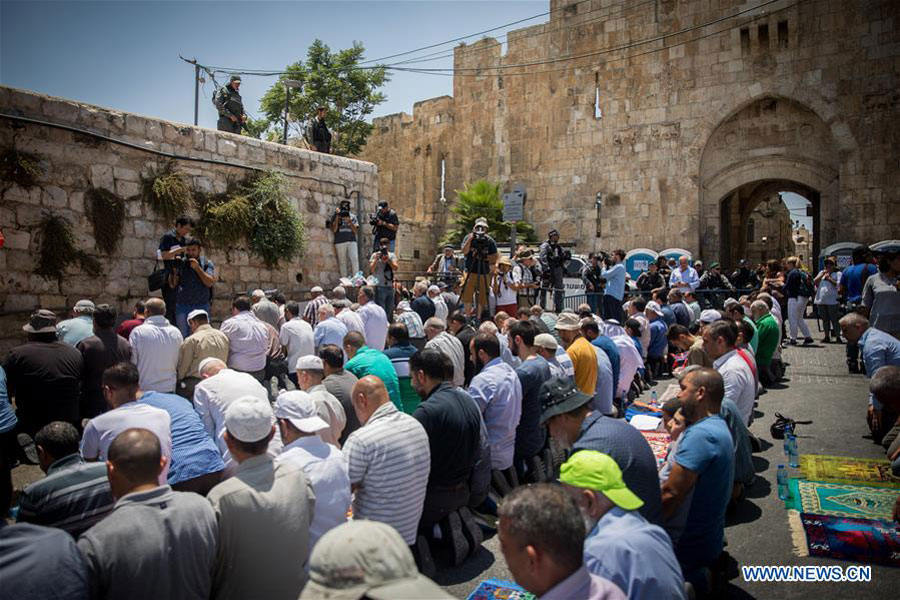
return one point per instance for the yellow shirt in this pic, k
(585, 360)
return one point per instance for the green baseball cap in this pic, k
(593, 470)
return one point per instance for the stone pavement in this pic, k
(818, 388)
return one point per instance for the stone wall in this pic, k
(74, 162)
(800, 94)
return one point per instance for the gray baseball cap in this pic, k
(366, 559)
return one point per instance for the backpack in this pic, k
(805, 288)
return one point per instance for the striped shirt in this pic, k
(311, 312)
(390, 460)
(74, 495)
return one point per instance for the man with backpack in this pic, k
(230, 106)
(798, 289)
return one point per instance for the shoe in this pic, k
(424, 560)
(792, 342)
(853, 367)
(28, 450)
(826, 340)
(808, 341)
(473, 533)
(452, 533)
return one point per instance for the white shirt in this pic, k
(155, 346)
(629, 362)
(248, 342)
(684, 279)
(297, 336)
(211, 399)
(326, 470)
(351, 320)
(611, 330)
(740, 385)
(441, 311)
(330, 410)
(375, 323)
(449, 345)
(645, 332)
(100, 431)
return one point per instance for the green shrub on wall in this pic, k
(168, 192)
(106, 212)
(21, 168)
(58, 250)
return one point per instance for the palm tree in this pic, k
(482, 199)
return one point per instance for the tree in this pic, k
(482, 199)
(256, 127)
(336, 81)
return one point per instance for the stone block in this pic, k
(17, 239)
(127, 189)
(27, 215)
(102, 177)
(143, 228)
(21, 302)
(54, 197)
(123, 174)
(227, 147)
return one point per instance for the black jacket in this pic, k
(229, 103)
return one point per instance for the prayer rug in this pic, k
(659, 443)
(841, 499)
(497, 589)
(866, 541)
(848, 470)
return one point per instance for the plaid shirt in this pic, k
(413, 323)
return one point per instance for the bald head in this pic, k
(211, 367)
(154, 307)
(367, 396)
(134, 459)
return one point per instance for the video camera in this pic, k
(344, 209)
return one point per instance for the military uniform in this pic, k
(229, 104)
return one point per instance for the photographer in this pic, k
(383, 265)
(384, 225)
(480, 251)
(171, 247)
(614, 274)
(594, 283)
(192, 278)
(553, 259)
(526, 277)
(344, 225)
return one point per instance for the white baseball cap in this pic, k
(249, 419)
(196, 313)
(710, 316)
(298, 408)
(654, 306)
(403, 305)
(316, 289)
(310, 361)
(545, 340)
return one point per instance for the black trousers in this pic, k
(612, 309)
(440, 502)
(168, 295)
(8, 452)
(226, 124)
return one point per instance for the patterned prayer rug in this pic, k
(659, 443)
(848, 470)
(867, 541)
(497, 589)
(841, 499)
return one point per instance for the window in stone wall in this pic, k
(745, 41)
(751, 231)
(598, 112)
(782, 34)
(762, 33)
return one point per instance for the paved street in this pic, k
(818, 388)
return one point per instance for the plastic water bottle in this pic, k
(783, 491)
(793, 454)
(654, 399)
(788, 432)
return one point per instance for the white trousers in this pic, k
(348, 258)
(796, 307)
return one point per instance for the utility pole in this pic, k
(196, 91)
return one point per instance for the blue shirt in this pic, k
(330, 331)
(615, 281)
(72, 331)
(530, 436)
(632, 453)
(658, 342)
(41, 562)
(498, 393)
(606, 388)
(878, 349)
(668, 315)
(194, 453)
(191, 289)
(635, 555)
(609, 348)
(7, 414)
(706, 449)
(682, 313)
(852, 279)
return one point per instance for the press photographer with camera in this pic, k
(383, 264)
(171, 247)
(192, 277)
(384, 225)
(480, 251)
(614, 294)
(345, 225)
(553, 259)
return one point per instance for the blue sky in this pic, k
(124, 54)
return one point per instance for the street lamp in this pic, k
(288, 84)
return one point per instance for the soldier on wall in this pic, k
(230, 106)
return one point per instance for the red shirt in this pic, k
(125, 328)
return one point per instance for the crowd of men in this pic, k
(185, 460)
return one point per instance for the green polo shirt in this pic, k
(369, 361)
(769, 335)
(754, 343)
